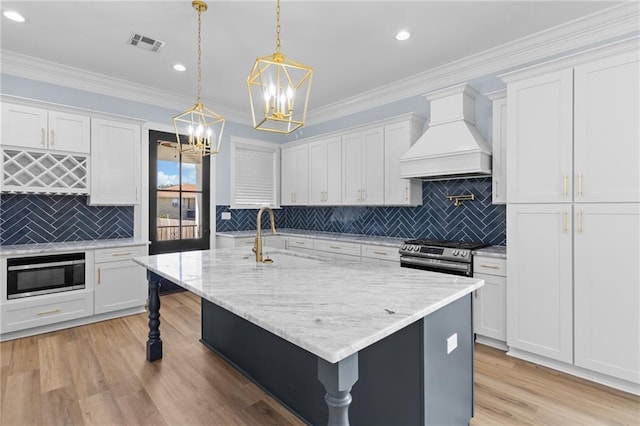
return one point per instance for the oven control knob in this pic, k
(455, 252)
(463, 253)
(415, 248)
(404, 247)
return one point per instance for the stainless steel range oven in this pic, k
(36, 275)
(451, 257)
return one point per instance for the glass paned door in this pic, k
(179, 196)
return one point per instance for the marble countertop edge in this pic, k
(46, 248)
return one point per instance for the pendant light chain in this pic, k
(278, 26)
(199, 54)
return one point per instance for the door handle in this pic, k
(580, 184)
(52, 137)
(580, 222)
(565, 180)
(99, 276)
(564, 222)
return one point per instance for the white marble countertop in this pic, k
(331, 308)
(332, 236)
(499, 252)
(37, 248)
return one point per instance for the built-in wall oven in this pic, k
(36, 275)
(451, 257)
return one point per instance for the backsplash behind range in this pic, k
(437, 218)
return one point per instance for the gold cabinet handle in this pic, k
(580, 222)
(336, 247)
(121, 254)
(380, 253)
(364, 195)
(496, 193)
(299, 243)
(564, 222)
(42, 136)
(580, 184)
(99, 276)
(52, 137)
(359, 194)
(565, 180)
(488, 265)
(52, 311)
(406, 193)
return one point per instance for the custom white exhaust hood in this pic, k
(451, 147)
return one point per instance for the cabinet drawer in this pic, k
(44, 310)
(300, 243)
(351, 249)
(244, 241)
(381, 252)
(117, 254)
(490, 266)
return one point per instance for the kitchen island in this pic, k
(402, 338)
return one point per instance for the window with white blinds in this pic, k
(255, 173)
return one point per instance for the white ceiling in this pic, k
(350, 44)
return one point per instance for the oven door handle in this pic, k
(441, 264)
(44, 265)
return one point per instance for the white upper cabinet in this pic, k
(115, 163)
(540, 135)
(325, 172)
(606, 130)
(363, 167)
(295, 176)
(499, 148)
(398, 138)
(30, 127)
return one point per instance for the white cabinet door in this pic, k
(333, 193)
(607, 133)
(24, 126)
(69, 132)
(373, 166)
(499, 148)
(540, 134)
(352, 169)
(539, 267)
(295, 175)
(607, 289)
(119, 285)
(398, 138)
(317, 172)
(489, 307)
(115, 163)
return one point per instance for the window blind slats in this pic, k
(255, 176)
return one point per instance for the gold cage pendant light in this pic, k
(279, 90)
(203, 126)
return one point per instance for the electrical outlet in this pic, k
(226, 215)
(452, 343)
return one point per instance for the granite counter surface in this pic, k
(499, 252)
(49, 248)
(331, 308)
(332, 236)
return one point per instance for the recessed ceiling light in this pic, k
(179, 67)
(14, 16)
(403, 35)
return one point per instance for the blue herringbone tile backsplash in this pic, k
(26, 219)
(437, 218)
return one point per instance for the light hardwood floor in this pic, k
(97, 375)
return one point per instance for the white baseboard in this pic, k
(494, 343)
(603, 379)
(73, 323)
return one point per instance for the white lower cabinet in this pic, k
(382, 253)
(337, 249)
(540, 292)
(607, 289)
(43, 310)
(490, 301)
(120, 283)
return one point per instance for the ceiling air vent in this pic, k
(146, 43)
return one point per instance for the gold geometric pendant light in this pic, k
(203, 126)
(279, 90)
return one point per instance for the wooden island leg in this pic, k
(338, 379)
(154, 343)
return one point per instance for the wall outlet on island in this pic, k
(226, 215)
(452, 343)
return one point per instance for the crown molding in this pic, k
(24, 66)
(611, 23)
(616, 21)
